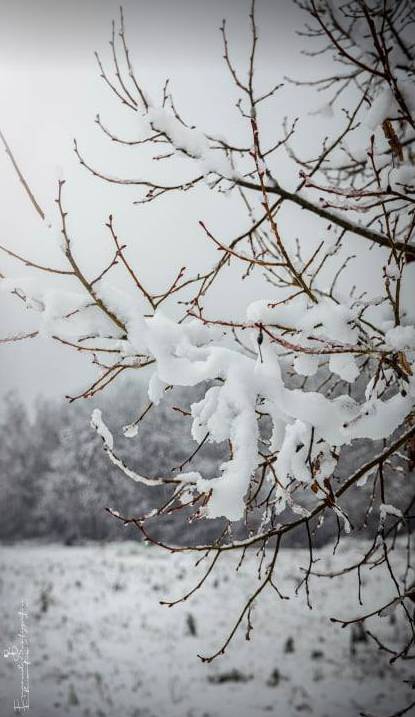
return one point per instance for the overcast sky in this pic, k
(50, 92)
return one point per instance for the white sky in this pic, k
(50, 92)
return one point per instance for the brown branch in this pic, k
(300, 201)
(76, 269)
(33, 264)
(21, 177)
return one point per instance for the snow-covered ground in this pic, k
(100, 643)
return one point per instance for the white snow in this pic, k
(188, 140)
(98, 424)
(401, 337)
(388, 509)
(188, 354)
(103, 645)
(384, 106)
(345, 366)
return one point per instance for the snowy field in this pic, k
(100, 643)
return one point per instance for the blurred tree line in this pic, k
(56, 480)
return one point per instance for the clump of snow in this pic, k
(388, 509)
(306, 364)
(100, 427)
(306, 425)
(131, 430)
(401, 338)
(404, 175)
(331, 320)
(189, 140)
(383, 106)
(156, 389)
(345, 366)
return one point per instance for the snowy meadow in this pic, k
(101, 644)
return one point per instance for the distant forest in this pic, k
(56, 479)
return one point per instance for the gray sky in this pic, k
(50, 92)
(171, 31)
